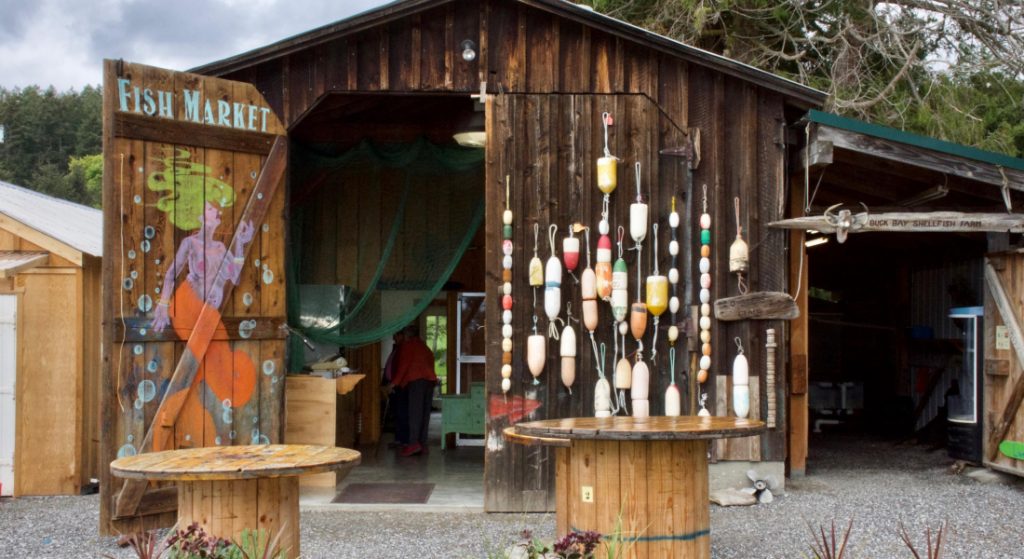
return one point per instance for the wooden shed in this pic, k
(50, 254)
(910, 324)
(545, 72)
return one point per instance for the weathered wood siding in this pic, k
(550, 78)
(1002, 412)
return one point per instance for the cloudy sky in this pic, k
(63, 42)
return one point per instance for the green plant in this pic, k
(933, 552)
(257, 544)
(615, 544)
(828, 546)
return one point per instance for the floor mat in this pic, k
(392, 493)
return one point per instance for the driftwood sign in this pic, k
(913, 222)
(764, 305)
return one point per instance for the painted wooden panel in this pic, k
(189, 230)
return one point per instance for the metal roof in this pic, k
(75, 225)
(909, 138)
(564, 8)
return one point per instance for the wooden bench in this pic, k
(464, 413)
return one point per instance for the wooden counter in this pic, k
(319, 411)
(648, 477)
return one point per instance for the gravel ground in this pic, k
(877, 484)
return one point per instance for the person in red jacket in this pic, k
(413, 371)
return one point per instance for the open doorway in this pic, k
(386, 214)
(887, 359)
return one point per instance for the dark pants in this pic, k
(420, 393)
(400, 405)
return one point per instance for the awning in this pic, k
(13, 261)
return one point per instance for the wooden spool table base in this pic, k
(228, 489)
(644, 478)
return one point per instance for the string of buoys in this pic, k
(704, 265)
(641, 374)
(506, 291)
(673, 399)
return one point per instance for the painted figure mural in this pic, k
(193, 201)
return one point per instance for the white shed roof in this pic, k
(75, 225)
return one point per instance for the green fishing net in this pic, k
(369, 227)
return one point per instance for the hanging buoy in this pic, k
(568, 353)
(571, 251)
(602, 398)
(673, 399)
(536, 354)
(623, 375)
(589, 291)
(638, 214)
(740, 383)
(638, 320)
(607, 174)
(657, 294)
(506, 290)
(641, 389)
(552, 286)
(536, 267)
(603, 271)
(739, 253)
(620, 279)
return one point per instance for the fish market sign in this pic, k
(190, 105)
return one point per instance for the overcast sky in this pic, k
(63, 42)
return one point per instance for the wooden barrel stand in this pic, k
(224, 508)
(653, 493)
(641, 481)
(229, 489)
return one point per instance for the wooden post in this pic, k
(798, 345)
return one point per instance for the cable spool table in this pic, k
(646, 478)
(227, 489)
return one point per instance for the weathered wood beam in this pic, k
(818, 154)
(920, 157)
(915, 222)
(141, 127)
(763, 305)
(25, 261)
(1013, 402)
(137, 329)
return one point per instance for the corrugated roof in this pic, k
(75, 225)
(564, 8)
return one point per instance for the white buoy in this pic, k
(740, 383)
(568, 354)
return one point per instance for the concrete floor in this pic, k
(457, 475)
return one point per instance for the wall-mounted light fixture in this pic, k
(816, 241)
(468, 48)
